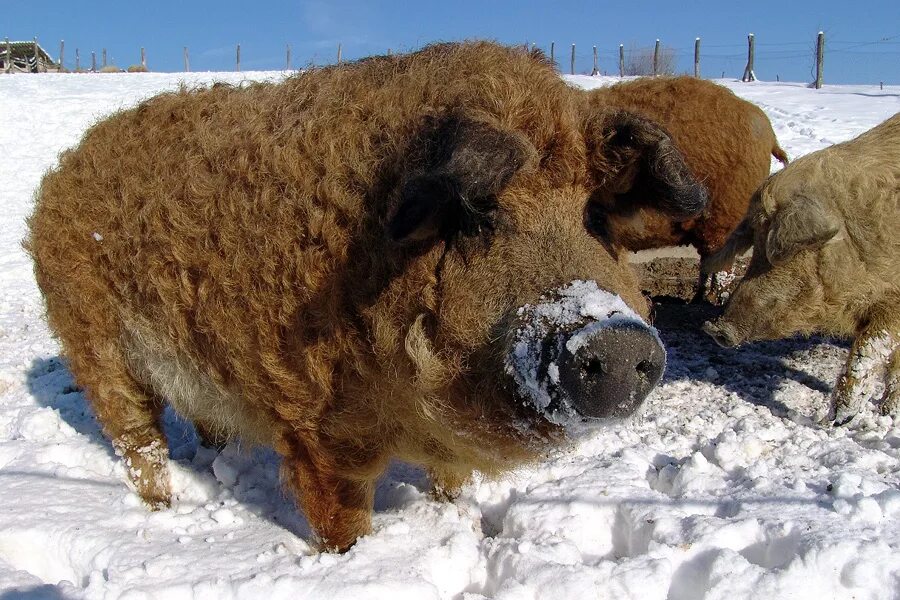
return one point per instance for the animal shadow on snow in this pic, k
(37, 592)
(757, 371)
(249, 475)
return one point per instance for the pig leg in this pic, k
(338, 507)
(446, 486)
(704, 284)
(714, 287)
(868, 357)
(130, 416)
(890, 402)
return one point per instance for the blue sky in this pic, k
(862, 38)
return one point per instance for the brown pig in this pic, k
(727, 142)
(390, 258)
(825, 234)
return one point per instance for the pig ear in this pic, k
(463, 164)
(803, 224)
(634, 157)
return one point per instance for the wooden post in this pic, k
(596, 71)
(820, 58)
(62, 53)
(749, 75)
(8, 56)
(287, 62)
(697, 57)
(187, 61)
(143, 57)
(339, 53)
(656, 59)
(572, 68)
(77, 59)
(553, 53)
(237, 63)
(93, 62)
(37, 58)
(104, 58)
(621, 60)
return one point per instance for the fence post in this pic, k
(37, 58)
(697, 57)
(93, 61)
(339, 53)
(749, 75)
(820, 58)
(287, 62)
(596, 71)
(553, 53)
(143, 57)
(8, 56)
(656, 59)
(572, 68)
(62, 54)
(187, 61)
(621, 60)
(237, 64)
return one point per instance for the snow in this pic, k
(726, 487)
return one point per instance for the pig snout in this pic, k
(611, 370)
(723, 333)
(581, 354)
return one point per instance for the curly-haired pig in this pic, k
(825, 234)
(389, 258)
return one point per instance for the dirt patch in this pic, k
(678, 277)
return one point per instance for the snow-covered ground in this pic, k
(725, 488)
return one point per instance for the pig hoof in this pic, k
(148, 473)
(843, 417)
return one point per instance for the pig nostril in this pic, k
(645, 368)
(593, 368)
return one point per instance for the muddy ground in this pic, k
(675, 275)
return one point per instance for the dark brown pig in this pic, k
(825, 234)
(391, 258)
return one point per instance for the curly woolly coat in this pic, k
(727, 143)
(325, 265)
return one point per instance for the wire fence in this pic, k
(845, 59)
(872, 61)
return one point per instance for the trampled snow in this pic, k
(725, 488)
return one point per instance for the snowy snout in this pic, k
(610, 371)
(582, 355)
